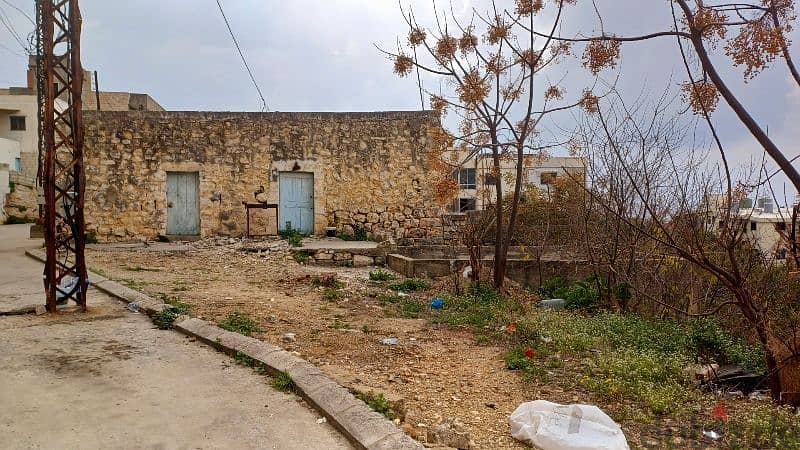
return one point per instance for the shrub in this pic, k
(556, 287)
(708, 339)
(410, 285)
(378, 403)
(381, 275)
(582, 295)
(240, 323)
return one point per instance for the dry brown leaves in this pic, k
(446, 48)
(403, 65)
(601, 54)
(702, 96)
(416, 37)
(473, 89)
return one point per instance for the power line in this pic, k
(6, 21)
(20, 10)
(246, 66)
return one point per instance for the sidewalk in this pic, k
(108, 379)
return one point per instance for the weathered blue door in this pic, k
(296, 191)
(183, 203)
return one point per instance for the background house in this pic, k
(476, 182)
(763, 222)
(19, 136)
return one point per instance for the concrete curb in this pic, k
(365, 428)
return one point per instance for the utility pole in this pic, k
(60, 85)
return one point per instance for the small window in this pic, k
(466, 204)
(489, 180)
(17, 165)
(780, 226)
(17, 123)
(753, 226)
(780, 255)
(547, 178)
(466, 178)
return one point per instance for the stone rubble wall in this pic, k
(370, 170)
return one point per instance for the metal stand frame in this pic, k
(61, 170)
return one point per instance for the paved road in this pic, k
(108, 379)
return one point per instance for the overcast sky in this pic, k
(318, 55)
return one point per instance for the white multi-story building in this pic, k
(765, 224)
(476, 182)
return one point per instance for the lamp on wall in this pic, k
(274, 174)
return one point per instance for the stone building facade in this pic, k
(365, 170)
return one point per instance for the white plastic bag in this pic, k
(551, 426)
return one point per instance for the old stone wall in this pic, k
(369, 170)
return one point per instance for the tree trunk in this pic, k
(499, 236)
(785, 372)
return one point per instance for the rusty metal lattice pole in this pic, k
(60, 81)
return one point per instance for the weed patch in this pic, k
(301, 257)
(241, 323)
(410, 285)
(142, 269)
(165, 318)
(293, 236)
(283, 382)
(378, 403)
(331, 295)
(328, 281)
(381, 275)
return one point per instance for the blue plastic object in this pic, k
(437, 303)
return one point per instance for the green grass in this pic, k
(283, 382)
(241, 323)
(481, 307)
(378, 403)
(410, 308)
(381, 275)
(410, 285)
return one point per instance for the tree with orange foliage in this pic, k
(489, 66)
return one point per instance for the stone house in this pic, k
(152, 174)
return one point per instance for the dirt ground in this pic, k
(438, 373)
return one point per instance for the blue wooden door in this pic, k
(183, 203)
(296, 191)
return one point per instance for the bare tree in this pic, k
(487, 67)
(672, 192)
(759, 30)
